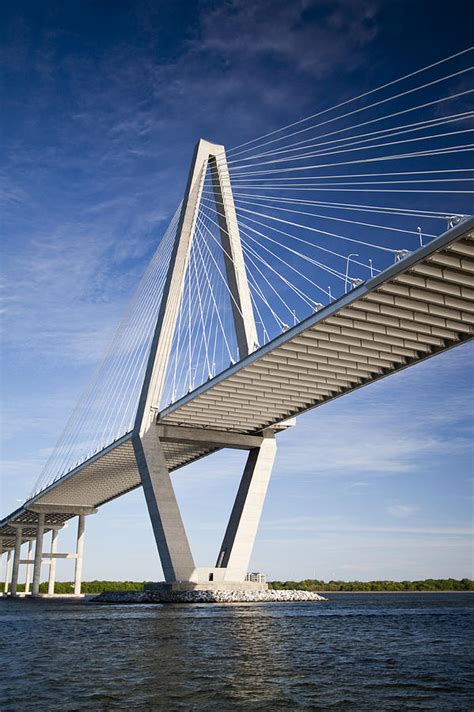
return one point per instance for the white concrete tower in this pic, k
(172, 542)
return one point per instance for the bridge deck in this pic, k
(421, 306)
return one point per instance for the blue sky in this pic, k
(101, 111)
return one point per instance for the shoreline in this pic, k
(118, 597)
(397, 592)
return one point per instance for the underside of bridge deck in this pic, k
(422, 306)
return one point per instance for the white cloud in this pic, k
(393, 426)
(401, 510)
(336, 524)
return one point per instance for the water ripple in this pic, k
(356, 652)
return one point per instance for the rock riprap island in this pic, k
(207, 596)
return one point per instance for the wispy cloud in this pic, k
(401, 510)
(361, 443)
(89, 189)
(372, 438)
(338, 524)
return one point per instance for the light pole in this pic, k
(353, 254)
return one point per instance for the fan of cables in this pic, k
(322, 204)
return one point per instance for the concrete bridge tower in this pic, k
(171, 539)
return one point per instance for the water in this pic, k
(357, 652)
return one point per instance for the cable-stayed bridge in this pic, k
(299, 266)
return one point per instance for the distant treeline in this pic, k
(425, 585)
(306, 585)
(88, 586)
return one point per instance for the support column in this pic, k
(38, 554)
(240, 535)
(173, 546)
(52, 565)
(16, 560)
(81, 522)
(28, 567)
(7, 572)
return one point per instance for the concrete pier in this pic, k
(38, 554)
(38, 520)
(16, 560)
(81, 523)
(7, 572)
(52, 563)
(29, 567)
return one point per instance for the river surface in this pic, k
(356, 652)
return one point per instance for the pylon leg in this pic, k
(241, 531)
(171, 539)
